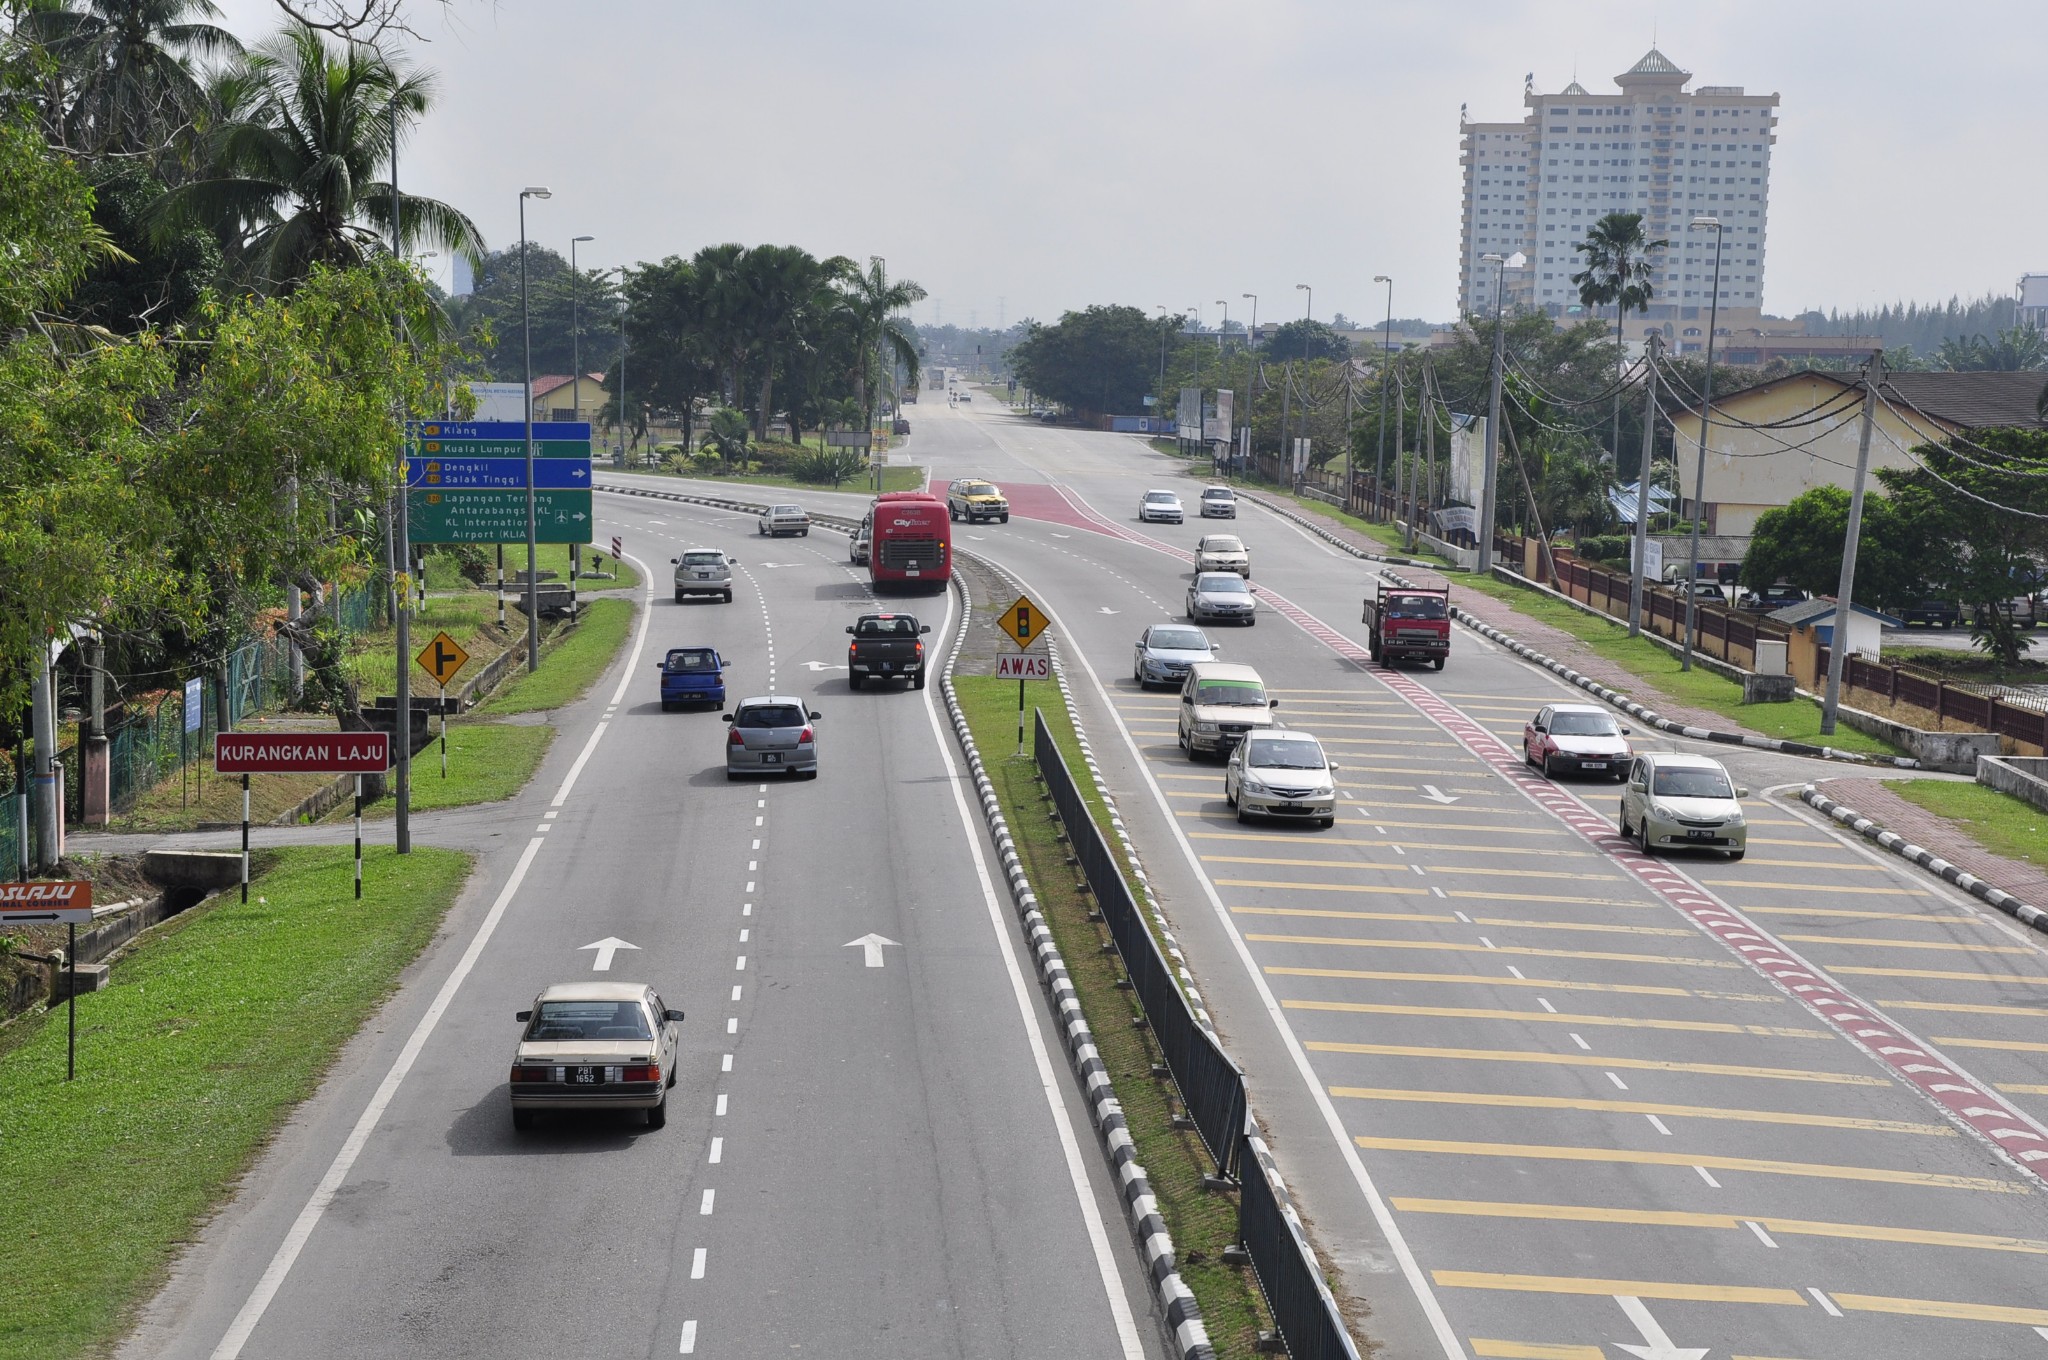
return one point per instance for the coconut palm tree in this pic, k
(294, 167)
(873, 301)
(1617, 271)
(124, 67)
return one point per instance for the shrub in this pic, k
(828, 467)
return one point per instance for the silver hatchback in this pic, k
(771, 734)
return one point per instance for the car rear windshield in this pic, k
(1233, 693)
(693, 659)
(703, 559)
(901, 626)
(785, 509)
(1224, 543)
(1269, 753)
(771, 715)
(1415, 607)
(1179, 640)
(572, 1021)
(1223, 585)
(1685, 783)
(977, 489)
(1583, 725)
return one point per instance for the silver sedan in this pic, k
(771, 734)
(1282, 775)
(1221, 595)
(1166, 650)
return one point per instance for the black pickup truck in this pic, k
(886, 647)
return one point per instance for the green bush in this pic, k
(828, 467)
(1604, 548)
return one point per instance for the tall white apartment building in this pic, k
(1653, 148)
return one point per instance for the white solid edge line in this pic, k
(295, 1239)
(273, 1277)
(1048, 1080)
(1410, 1268)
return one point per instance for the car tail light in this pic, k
(920, 649)
(649, 1073)
(803, 736)
(530, 1073)
(733, 738)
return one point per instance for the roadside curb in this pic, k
(717, 503)
(2033, 917)
(1320, 532)
(1651, 716)
(1183, 1316)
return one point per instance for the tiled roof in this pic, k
(550, 381)
(1968, 401)
(1823, 610)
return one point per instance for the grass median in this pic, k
(1659, 672)
(572, 664)
(893, 479)
(1203, 1223)
(216, 1025)
(2001, 823)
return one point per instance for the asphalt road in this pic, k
(1542, 1097)
(859, 1161)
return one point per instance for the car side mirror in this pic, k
(849, 628)
(1741, 792)
(814, 716)
(1333, 765)
(674, 1015)
(522, 1015)
(725, 717)
(674, 560)
(732, 561)
(1539, 727)
(1272, 703)
(1628, 731)
(925, 629)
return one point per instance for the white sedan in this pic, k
(778, 520)
(1162, 507)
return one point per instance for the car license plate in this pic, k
(1593, 765)
(586, 1076)
(770, 758)
(1294, 807)
(886, 665)
(1699, 835)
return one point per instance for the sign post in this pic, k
(67, 903)
(356, 753)
(1023, 622)
(442, 659)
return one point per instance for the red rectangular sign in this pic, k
(62, 902)
(302, 752)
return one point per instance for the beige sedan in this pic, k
(595, 1046)
(1223, 552)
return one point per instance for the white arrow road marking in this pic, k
(1437, 795)
(608, 946)
(1062, 535)
(1659, 1345)
(822, 666)
(1107, 610)
(871, 944)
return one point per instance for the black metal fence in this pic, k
(1289, 1275)
(1211, 1085)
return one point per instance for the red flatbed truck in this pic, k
(1409, 623)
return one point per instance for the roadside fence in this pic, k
(1211, 1085)
(1289, 1274)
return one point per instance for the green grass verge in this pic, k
(443, 575)
(1659, 671)
(215, 1027)
(1384, 534)
(569, 666)
(893, 479)
(1203, 1223)
(1999, 822)
(487, 763)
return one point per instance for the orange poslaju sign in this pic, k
(302, 752)
(64, 903)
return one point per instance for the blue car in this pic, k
(691, 675)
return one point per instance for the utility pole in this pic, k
(43, 723)
(401, 730)
(1286, 409)
(1485, 527)
(1642, 535)
(1400, 413)
(1386, 359)
(1429, 418)
(532, 523)
(1873, 378)
(1699, 487)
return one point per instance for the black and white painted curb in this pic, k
(1183, 1317)
(718, 503)
(1650, 716)
(2030, 916)
(1324, 534)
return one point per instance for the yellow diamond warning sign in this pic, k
(1024, 622)
(442, 658)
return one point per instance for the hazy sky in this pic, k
(1020, 159)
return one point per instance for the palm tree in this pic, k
(787, 294)
(872, 301)
(727, 432)
(294, 165)
(126, 65)
(2014, 350)
(1617, 252)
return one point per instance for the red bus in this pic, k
(911, 540)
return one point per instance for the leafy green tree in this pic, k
(789, 296)
(125, 69)
(2011, 351)
(1102, 360)
(1304, 339)
(726, 433)
(559, 306)
(294, 172)
(1802, 543)
(156, 280)
(672, 364)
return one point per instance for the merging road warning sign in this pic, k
(442, 658)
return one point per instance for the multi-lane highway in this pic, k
(861, 1158)
(1538, 1096)
(1570, 1099)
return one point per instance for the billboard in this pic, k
(499, 401)
(1216, 420)
(1187, 415)
(1468, 458)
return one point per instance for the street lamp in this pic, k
(1699, 486)
(1379, 465)
(1252, 336)
(532, 526)
(1485, 526)
(1226, 324)
(624, 307)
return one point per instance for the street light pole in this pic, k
(1699, 485)
(1159, 401)
(1251, 385)
(1379, 462)
(532, 524)
(624, 307)
(1308, 311)
(401, 623)
(1485, 528)
(575, 329)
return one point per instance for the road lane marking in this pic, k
(1523, 951)
(717, 1151)
(2023, 1088)
(1861, 889)
(2002, 979)
(1581, 1043)
(1327, 838)
(1708, 1177)
(1761, 1235)
(1511, 1055)
(1398, 890)
(1827, 1304)
(1645, 1107)
(689, 1338)
(1518, 980)
(1872, 942)
(1962, 1008)
(1956, 917)
(2001, 1045)
(1619, 1083)
(1518, 872)
(1940, 1308)
(1762, 1166)
(697, 1262)
(1384, 821)
(1536, 1017)
(1674, 1218)
(1489, 1349)
(1638, 1289)
(705, 1207)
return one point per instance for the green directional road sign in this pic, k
(499, 448)
(473, 516)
